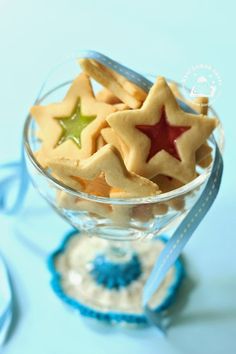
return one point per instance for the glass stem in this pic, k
(119, 251)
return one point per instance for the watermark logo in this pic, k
(201, 80)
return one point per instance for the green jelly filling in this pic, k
(73, 126)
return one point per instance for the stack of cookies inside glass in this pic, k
(122, 142)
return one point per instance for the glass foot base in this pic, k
(79, 257)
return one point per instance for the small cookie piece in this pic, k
(70, 128)
(120, 215)
(126, 91)
(129, 86)
(97, 186)
(160, 209)
(200, 105)
(167, 184)
(107, 96)
(204, 163)
(177, 203)
(100, 142)
(112, 138)
(40, 157)
(108, 161)
(161, 137)
(121, 106)
(203, 155)
(143, 212)
(67, 201)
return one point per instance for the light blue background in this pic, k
(164, 37)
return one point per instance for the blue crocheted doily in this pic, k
(111, 316)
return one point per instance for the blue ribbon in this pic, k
(5, 303)
(185, 230)
(13, 173)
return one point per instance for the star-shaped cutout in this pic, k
(162, 136)
(57, 122)
(74, 125)
(141, 157)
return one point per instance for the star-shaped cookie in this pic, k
(161, 137)
(108, 163)
(71, 127)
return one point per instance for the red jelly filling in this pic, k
(163, 136)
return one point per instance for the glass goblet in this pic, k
(102, 265)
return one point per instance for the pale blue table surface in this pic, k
(152, 36)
